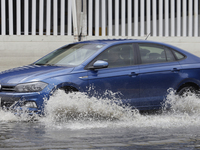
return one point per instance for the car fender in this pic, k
(186, 81)
(73, 80)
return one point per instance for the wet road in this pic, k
(76, 122)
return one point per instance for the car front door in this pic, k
(159, 71)
(120, 79)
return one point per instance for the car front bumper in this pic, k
(30, 103)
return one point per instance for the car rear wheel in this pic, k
(187, 91)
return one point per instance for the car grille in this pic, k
(6, 88)
(7, 101)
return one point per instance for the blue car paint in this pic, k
(116, 80)
(142, 85)
(154, 89)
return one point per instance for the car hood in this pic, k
(31, 73)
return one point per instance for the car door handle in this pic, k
(133, 74)
(175, 70)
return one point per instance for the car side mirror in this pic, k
(99, 64)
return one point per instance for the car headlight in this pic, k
(30, 87)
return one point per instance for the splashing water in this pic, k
(189, 103)
(19, 116)
(6, 116)
(78, 107)
(78, 111)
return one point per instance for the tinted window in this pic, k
(118, 56)
(151, 53)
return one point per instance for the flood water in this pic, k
(74, 121)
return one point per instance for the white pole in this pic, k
(26, 17)
(41, 17)
(184, 18)
(103, 17)
(160, 18)
(3, 17)
(129, 18)
(110, 17)
(178, 27)
(196, 18)
(190, 27)
(55, 17)
(90, 15)
(48, 15)
(69, 30)
(18, 17)
(172, 18)
(141, 17)
(116, 17)
(62, 26)
(136, 18)
(154, 18)
(148, 18)
(96, 17)
(33, 17)
(123, 18)
(10, 17)
(166, 18)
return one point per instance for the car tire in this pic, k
(69, 89)
(187, 90)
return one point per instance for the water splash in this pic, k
(189, 103)
(18, 116)
(79, 107)
(6, 116)
(78, 111)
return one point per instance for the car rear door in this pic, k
(159, 71)
(120, 80)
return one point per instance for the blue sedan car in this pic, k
(141, 71)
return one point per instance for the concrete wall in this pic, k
(22, 50)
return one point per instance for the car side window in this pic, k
(151, 53)
(178, 55)
(118, 56)
(169, 55)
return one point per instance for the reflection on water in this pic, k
(76, 121)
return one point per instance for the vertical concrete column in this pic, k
(81, 13)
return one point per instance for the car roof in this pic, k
(120, 41)
(109, 41)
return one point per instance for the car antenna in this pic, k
(148, 36)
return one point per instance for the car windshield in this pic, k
(71, 55)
